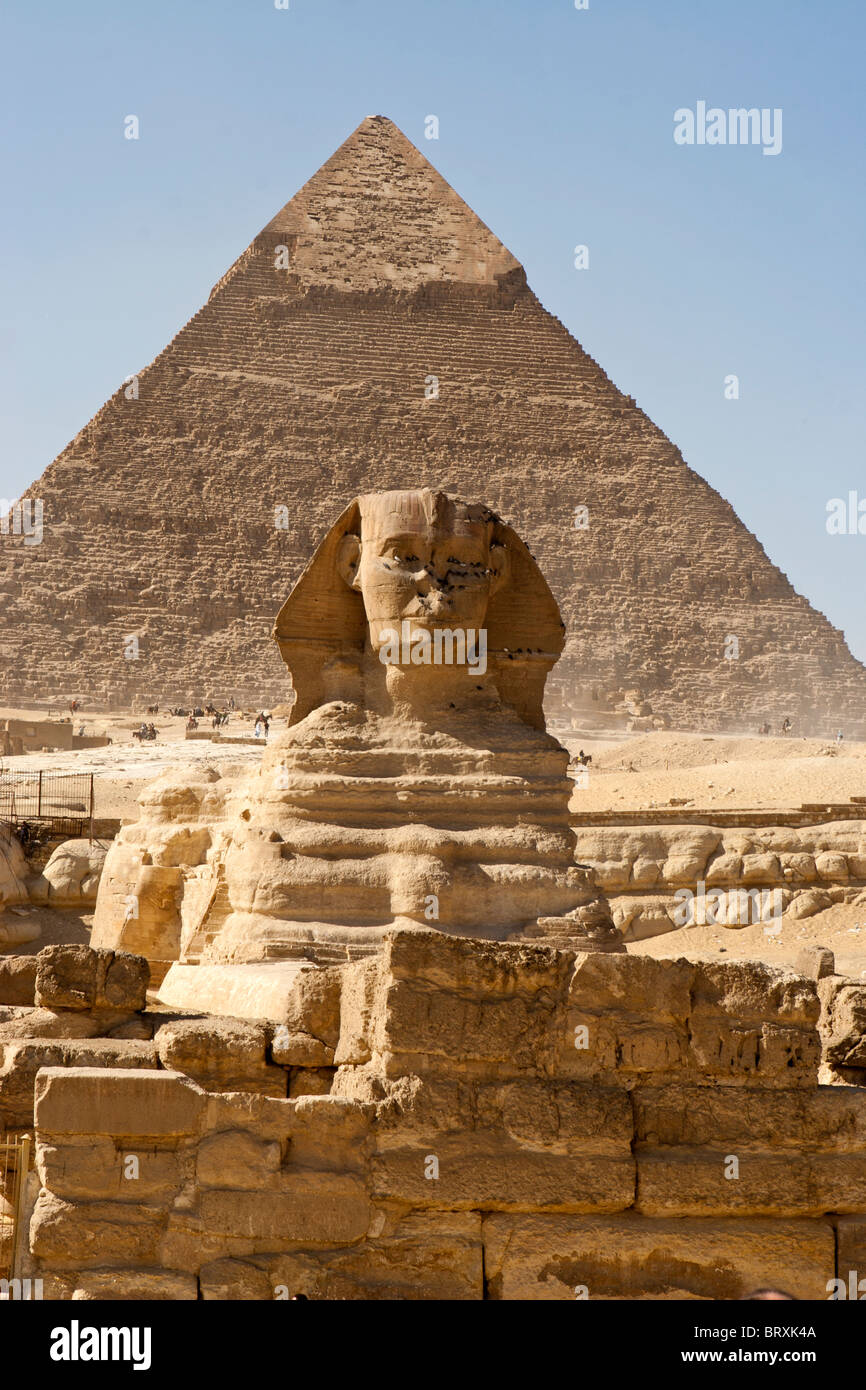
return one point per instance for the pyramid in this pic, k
(377, 335)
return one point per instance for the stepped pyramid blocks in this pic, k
(311, 375)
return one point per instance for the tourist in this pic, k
(258, 728)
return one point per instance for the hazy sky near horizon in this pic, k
(556, 125)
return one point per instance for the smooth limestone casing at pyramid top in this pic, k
(297, 387)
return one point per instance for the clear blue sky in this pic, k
(556, 126)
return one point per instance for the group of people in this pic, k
(784, 728)
(145, 733)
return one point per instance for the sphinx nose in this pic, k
(427, 579)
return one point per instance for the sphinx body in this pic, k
(415, 785)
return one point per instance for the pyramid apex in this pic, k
(378, 215)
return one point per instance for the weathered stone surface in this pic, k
(21, 1061)
(426, 1255)
(95, 1169)
(18, 980)
(221, 1054)
(843, 1024)
(235, 1159)
(629, 1256)
(815, 962)
(130, 1286)
(86, 1100)
(320, 1207)
(80, 977)
(88, 1234)
(71, 876)
(310, 1081)
(225, 1281)
(695, 1182)
(851, 1253)
(299, 1049)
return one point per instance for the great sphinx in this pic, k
(415, 786)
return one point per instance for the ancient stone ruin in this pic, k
(445, 1119)
(376, 335)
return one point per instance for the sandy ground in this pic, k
(634, 772)
(125, 766)
(646, 771)
(842, 928)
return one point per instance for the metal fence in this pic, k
(14, 1167)
(62, 802)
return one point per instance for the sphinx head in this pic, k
(424, 564)
(425, 559)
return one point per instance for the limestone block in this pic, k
(310, 1081)
(693, 1182)
(832, 868)
(520, 1146)
(71, 876)
(238, 991)
(611, 874)
(18, 931)
(659, 989)
(761, 868)
(469, 1005)
(632, 1256)
(802, 867)
(235, 1159)
(95, 1169)
(639, 918)
(430, 1256)
(724, 869)
(806, 904)
(66, 977)
(851, 1253)
(80, 977)
(18, 980)
(132, 1286)
(88, 1100)
(290, 1049)
(645, 873)
(21, 1061)
(13, 872)
(234, 1281)
(23, 1023)
(89, 1234)
(221, 1054)
(329, 1132)
(843, 1026)
(749, 990)
(815, 962)
(359, 998)
(309, 1207)
(829, 1119)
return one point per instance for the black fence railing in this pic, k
(61, 802)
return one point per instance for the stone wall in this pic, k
(491, 1121)
(641, 868)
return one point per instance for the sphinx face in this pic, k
(435, 571)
